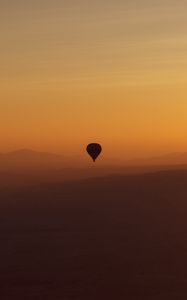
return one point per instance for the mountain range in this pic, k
(26, 158)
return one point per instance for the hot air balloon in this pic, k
(94, 150)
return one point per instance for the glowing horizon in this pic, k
(107, 72)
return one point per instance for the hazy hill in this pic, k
(176, 158)
(116, 237)
(26, 158)
(27, 167)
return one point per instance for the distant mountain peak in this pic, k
(27, 151)
(23, 151)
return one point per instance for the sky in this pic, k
(78, 71)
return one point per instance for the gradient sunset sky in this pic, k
(78, 71)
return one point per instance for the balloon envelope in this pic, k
(94, 150)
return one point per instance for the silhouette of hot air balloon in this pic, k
(94, 150)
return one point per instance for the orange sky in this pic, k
(73, 72)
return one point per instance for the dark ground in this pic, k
(118, 237)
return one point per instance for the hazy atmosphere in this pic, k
(93, 150)
(111, 71)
